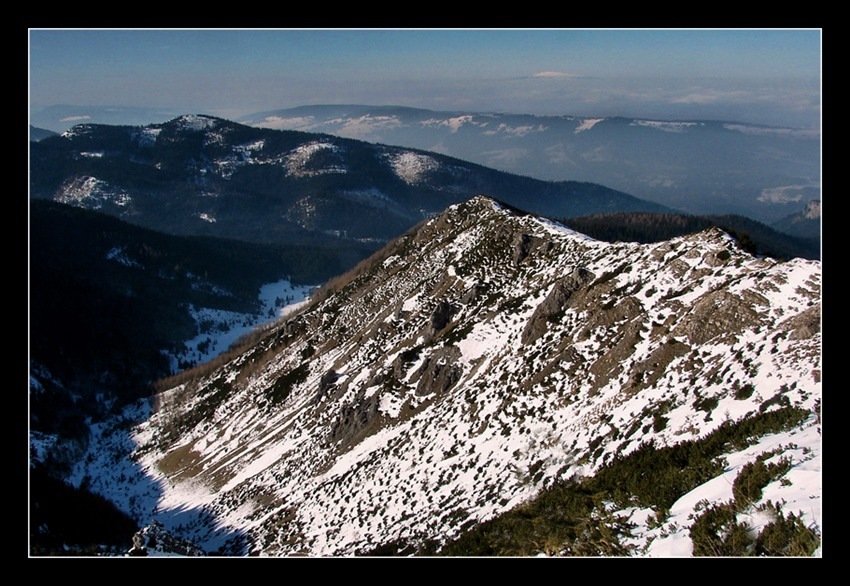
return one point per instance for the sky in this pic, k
(766, 76)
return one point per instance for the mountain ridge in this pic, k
(466, 366)
(203, 175)
(695, 166)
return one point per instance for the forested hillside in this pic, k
(647, 228)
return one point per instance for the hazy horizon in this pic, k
(762, 76)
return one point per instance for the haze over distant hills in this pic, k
(695, 166)
(60, 117)
(202, 175)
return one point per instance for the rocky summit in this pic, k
(481, 359)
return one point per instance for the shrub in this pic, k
(753, 477)
(744, 392)
(786, 536)
(716, 532)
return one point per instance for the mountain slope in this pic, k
(696, 166)
(472, 363)
(804, 224)
(114, 307)
(40, 133)
(207, 176)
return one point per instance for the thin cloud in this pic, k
(713, 97)
(555, 74)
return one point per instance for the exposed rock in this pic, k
(555, 303)
(438, 372)
(522, 246)
(440, 317)
(353, 419)
(805, 325)
(156, 539)
(473, 293)
(716, 315)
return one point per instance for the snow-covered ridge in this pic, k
(146, 136)
(197, 122)
(363, 126)
(516, 130)
(454, 124)
(299, 161)
(474, 362)
(293, 123)
(666, 126)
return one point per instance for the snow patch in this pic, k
(587, 124)
(412, 167)
(666, 126)
(516, 130)
(119, 255)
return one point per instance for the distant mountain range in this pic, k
(208, 176)
(694, 166)
(494, 383)
(61, 117)
(805, 224)
(199, 175)
(37, 134)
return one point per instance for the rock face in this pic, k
(555, 304)
(469, 364)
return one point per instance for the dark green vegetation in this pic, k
(717, 531)
(754, 237)
(570, 518)
(61, 515)
(98, 325)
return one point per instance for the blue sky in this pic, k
(769, 76)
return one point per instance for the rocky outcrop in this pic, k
(716, 316)
(440, 317)
(555, 303)
(439, 372)
(805, 325)
(353, 419)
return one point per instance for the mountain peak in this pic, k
(467, 366)
(197, 121)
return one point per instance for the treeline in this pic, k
(106, 298)
(646, 228)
